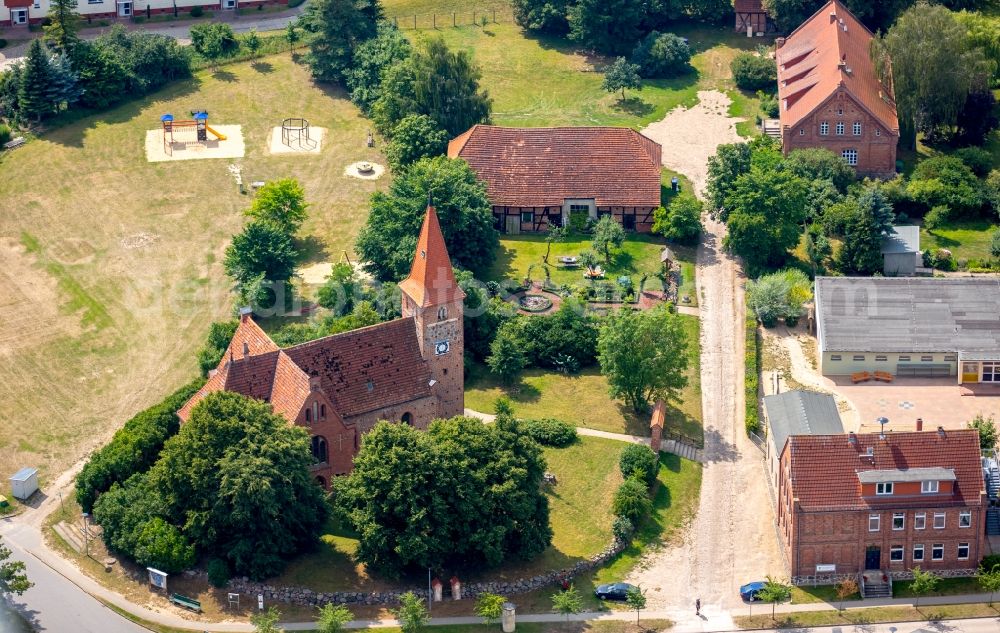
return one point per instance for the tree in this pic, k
(446, 88)
(506, 358)
(340, 27)
(632, 501)
(63, 88)
(987, 430)
(766, 209)
(989, 580)
(923, 583)
(976, 118)
(608, 235)
(213, 41)
(789, 14)
(818, 248)
(416, 136)
(567, 602)
(933, 68)
(333, 618)
(871, 220)
(554, 234)
(845, 589)
(372, 59)
(635, 599)
(340, 289)
(729, 162)
(819, 163)
(622, 74)
(946, 181)
(995, 243)
(389, 238)
(774, 592)
(643, 355)
(489, 606)
(218, 573)
(281, 202)
(291, 36)
(639, 461)
(266, 621)
(262, 249)
(680, 221)
(544, 16)
(252, 43)
(63, 26)
(779, 295)
(13, 580)
(607, 26)
(411, 613)
(161, 545)
(754, 72)
(35, 78)
(662, 55)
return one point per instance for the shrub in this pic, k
(220, 333)
(5, 133)
(752, 376)
(990, 561)
(622, 529)
(632, 501)
(550, 432)
(161, 545)
(937, 217)
(754, 72)
(197, 12)
(3, 43)
(995, 243)
(662, 55)
(768, 104)
(977, 159)
(639, 462)
(204, 36)
(218, 572)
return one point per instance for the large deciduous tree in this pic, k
(729, 162)
(622, 74)
(607, 26)
(389, 238)
(13, 580)
(544, 16)
(341, 26)
(680, 221)
(416, 136)
(261, 249)
(281, 202)
(608, 236)
(766, 208)
(643, 355)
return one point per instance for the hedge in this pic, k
(550, 432)
(752, 375)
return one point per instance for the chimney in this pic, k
(779, 42)
(246, 349)
(920, 424)
(941, 432)
(245, 313)
(852, 438)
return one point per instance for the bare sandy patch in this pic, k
(690, 136)
(297, 144)
(185, 147)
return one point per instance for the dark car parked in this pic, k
(750, 590)
(613, 591)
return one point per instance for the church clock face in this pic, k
(441, 347)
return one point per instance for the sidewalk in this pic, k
(621, 437)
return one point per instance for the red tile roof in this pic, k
(749, 6)
(824, 468)
(432, 279)
(829, 51)
(527, 167)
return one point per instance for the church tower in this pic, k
(433, 298)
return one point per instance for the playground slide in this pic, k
(218, 135)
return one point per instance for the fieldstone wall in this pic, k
(307, 597)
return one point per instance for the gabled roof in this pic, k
(529, 167)
(902, 239)
(749, 6)
(824, 469)
(432, 279)
(801, 413)
(826, 53)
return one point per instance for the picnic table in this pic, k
(184, 601)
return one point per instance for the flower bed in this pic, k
(534, 303)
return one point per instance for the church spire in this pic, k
(431, 281)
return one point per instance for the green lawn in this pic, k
(871, 615)
(965, 240)
(582, 399)
(945, 587)
(819, 593)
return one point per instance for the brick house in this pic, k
(830, 95)
(542, 177)
(751, 14)
(24, 12)
(408, 370)
(853, 503)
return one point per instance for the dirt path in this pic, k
(689, 136)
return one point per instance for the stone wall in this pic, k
(307, 597)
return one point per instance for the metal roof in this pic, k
(902, 239)
(24, 474)
(801, 413)
(907, 474)
(912, 314)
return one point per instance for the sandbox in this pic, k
(186, 147)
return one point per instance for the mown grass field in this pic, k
(93, 328)
(873, 615)
(965, 240)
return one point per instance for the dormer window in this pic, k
(883, 488)
(928, 487)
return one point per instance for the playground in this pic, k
(296, 135)
(192, 139)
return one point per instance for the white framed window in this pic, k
(840, 128)
(834, 356)
(857, 128)
(898, 520)
(939, 520)
(904, 359)
(950, 357)
(878, 132)
(527, 217)
(926, 359)
(873, 522)
(963, 551)
(928, 486)
(824, 128)
(881, 359)
(38, 4)
(918, 553)
(858, 357)
(850, 155)
(802, 131)
(919, 521)
(965, 519)
(883, 488)
(937, 551)
(840, 112)
(896, 554)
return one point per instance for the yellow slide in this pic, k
(218, 135)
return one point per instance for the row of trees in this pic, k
(788, 14)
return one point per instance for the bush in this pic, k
(550, 432)
(5, 133)
(218, 572)
(203, 36)
(3, 43)
(752, 375)
(990, 561)
(639, 462)
(754, 72)
(662, 55)
(220, 333)
(622, 529)
(161, 545)
(977, 159)
(632, 501)
(197, 12)
(768, 104)
(995, 243)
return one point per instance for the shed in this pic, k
(667, 258)
(797, 412)
(901, 251)
(24, 483)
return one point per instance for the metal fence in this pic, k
(467, 17)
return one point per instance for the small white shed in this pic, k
(24, 483)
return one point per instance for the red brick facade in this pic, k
(638, 219)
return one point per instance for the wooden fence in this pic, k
(468, 17)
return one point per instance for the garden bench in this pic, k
(17, 142)
(861, 376)
(884, 376)
(184, 601)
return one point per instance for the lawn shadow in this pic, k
(634, 106)
(312, 250)
(523, 392)
(225, 76)
(264, 68)
(636, 423)
(944, 242)
(503, 264)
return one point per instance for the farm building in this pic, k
(910, 326)
(797, 412)
(24, 12)
(537, 178)
(901, 252)
(830, 95)
(752, 17)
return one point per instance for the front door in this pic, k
(19, 16)
(229, 4)
(514, 224)
(873, 557)
(125, 9)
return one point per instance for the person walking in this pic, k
(697, 607)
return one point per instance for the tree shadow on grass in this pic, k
(225, 76)
(265, 68)
(944, 242)
(523, 393)
(503, 264)
(311, 250)
(634, 106)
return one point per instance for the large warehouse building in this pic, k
(910, 327)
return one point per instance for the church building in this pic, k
(408, 370)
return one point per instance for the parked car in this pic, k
(613, 591)
(750, 590)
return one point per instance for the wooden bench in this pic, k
(16, 142)
(884, 376)
(861, 376)
(184, 601)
